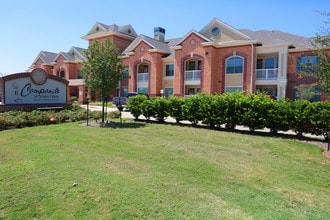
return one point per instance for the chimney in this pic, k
(159, 34)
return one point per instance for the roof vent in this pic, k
(159, 34)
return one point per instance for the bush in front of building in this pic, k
(21, 119)
(174, 108)
(160, 111)
(135, 105)
(232, 109)
(192, 108)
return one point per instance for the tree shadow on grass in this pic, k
(115, 125)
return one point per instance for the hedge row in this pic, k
(231, 109)
(20, 119)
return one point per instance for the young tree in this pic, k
(103, 69)
(321, 70)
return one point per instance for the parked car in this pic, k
(122, 101)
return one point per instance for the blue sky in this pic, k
(29, 26)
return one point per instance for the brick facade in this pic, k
(209, 49)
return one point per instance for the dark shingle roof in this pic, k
(47, 57)
(275, 37)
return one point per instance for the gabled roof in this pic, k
(100, 29)
(46, 57)
(219, 31)
(67, 57)
(275, 37)
(192, 32)
(78, 53)
(153, 43)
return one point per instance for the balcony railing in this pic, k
(267, 74)
(191, 75)
(142, 77)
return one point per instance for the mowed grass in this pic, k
(153, 171)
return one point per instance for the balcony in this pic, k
(143, 77)
(267, 74)
(192, 75)
(76, 82)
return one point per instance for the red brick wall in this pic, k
(155, 68)
(293, 77)
(120, 42)
(213, 65)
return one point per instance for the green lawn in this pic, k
(153, 171)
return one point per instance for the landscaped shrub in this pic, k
(114, 114)
(147, 107)
(233, 110)
(20, 119)
(319, 118)
(160, 108)
(300, 120)
(135, 105)
(279, 116)
(175, 109)
(96, 115)
(208, 110)
(256, 109)
(192, 109)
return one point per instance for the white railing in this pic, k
(143, 77)
(267, 74)
(191, 75)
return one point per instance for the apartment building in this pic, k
(216, 59)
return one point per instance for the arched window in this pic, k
(61, 73)
(234, 65)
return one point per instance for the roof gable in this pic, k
(78, 54)
(219, 31)
(189, 34)
(100, 29)
(153, 43)
(46, 57)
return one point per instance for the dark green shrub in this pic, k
(255, 109)
(319, 118)
(147, 108)
(208, 110)
(233, 109)
(135, 105)
(192, 109)
(300, 120)
(279, 116)
(160, 108)
(175, 109)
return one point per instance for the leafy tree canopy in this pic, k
(321, 70)
(104, 68)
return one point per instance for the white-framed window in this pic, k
(234, 65)
(169, 69)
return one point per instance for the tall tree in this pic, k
(321, 70)
(103, 69)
